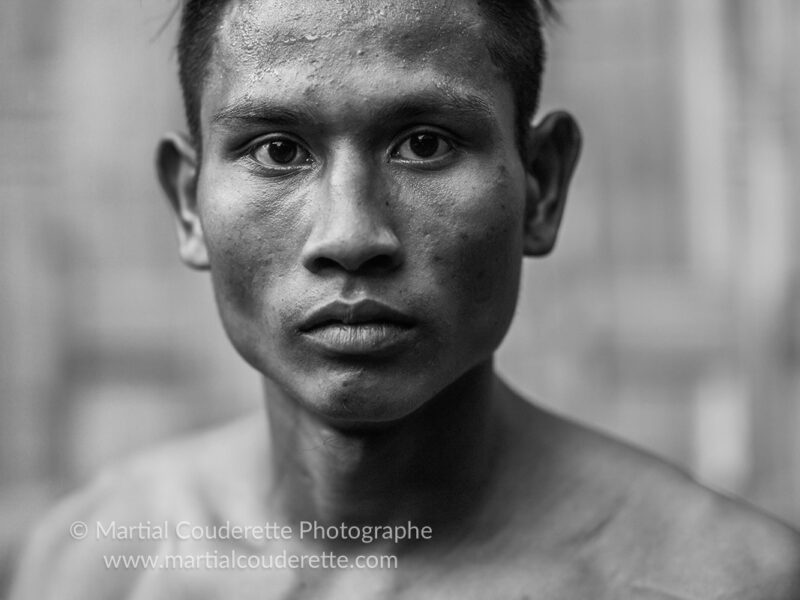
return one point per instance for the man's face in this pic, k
(361, 198)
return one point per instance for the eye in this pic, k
(423, 146)
(280, 153)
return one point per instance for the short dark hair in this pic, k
(515, 44)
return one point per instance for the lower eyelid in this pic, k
(306, 159)
(450, 149)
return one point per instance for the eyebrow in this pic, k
(441, 101)
(256, 111)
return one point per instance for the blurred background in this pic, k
(669, 314)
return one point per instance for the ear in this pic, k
(553, 147)
(176, 162)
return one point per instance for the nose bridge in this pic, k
(350, 186)
(352, 227)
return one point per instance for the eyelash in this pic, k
(394, 153)
(265, 142)
(424, 161)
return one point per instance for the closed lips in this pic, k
(362, 313)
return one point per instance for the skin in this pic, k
(358, 215)
(357, 222)
(383, 425)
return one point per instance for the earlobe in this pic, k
(553, 148)
(176, 163)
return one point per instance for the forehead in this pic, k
(275, 46)
(257, 29)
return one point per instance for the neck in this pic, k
(429, 468)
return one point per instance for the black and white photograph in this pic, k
(400, 299)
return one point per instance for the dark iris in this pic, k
(282, 152)
(424, 145)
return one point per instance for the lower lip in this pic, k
(361, 339)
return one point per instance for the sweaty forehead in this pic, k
(260, 34)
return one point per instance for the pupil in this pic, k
(424, 145)
(282, 152)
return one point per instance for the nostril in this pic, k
(377, 264)
(322, 263)
(382, 262)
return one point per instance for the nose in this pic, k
(352, 227)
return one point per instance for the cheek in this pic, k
(237, 265)
(487, 267)
(486, 276)
(488, 259)
(247, 238)
(479, 256)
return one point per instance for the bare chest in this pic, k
(290, 573)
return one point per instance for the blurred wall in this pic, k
(669, 314)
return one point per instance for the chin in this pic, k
(356, 406)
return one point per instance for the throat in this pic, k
(431, 468)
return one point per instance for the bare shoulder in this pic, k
(121, 511)
(736, 549)
(678, 538)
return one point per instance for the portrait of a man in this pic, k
(362, 182)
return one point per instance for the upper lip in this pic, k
(354, 313)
